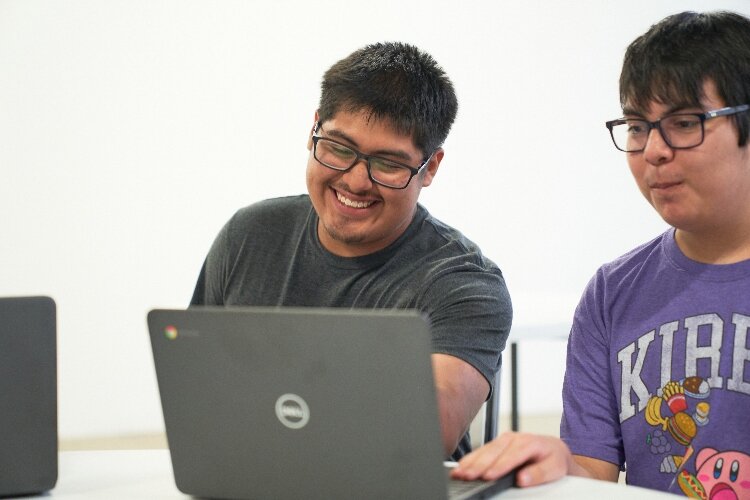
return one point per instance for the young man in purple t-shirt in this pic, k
(658, 367)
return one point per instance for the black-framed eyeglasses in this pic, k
(679, 131)
(383, 171)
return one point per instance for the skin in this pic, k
(703, 192)
(460, 390)
(380, 216)
(353, 231)
(542, 459)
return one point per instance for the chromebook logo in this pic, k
(292, 411)
(170, 332)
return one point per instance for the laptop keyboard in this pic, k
(458, 488)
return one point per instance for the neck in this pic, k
(717, 245)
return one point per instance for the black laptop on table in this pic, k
(301, 403)
(28, 395)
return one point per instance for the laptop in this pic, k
(28, 395)
(301, 403)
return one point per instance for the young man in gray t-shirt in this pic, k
(360, 239)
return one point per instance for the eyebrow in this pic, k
(675, 109)
(396, 153)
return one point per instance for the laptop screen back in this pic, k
(299, 403)
(28, 395)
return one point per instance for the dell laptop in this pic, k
(28, 395)
(301, 403)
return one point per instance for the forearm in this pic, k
(454, 420)
(593, 468)
(460, 390)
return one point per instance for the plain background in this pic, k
(131, 130)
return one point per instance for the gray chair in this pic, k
(492, 409)
(485, 425)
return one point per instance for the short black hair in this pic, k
(397, 82)
(672, 61)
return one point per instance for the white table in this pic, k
(134, 474)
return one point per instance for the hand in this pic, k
(543, 459)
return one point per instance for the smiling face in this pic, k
(703, 190)
(357, 216)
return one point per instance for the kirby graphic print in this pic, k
(720, 475)
(677, 413)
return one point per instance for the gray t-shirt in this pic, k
(269, 254)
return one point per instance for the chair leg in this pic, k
(492, 409)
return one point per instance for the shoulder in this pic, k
(451, 267)
(273, 209)
(619, 284)
(449, 245)
(630, 265)
(266, 218)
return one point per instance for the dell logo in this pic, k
(292, 411)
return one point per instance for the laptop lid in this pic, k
(28, 395)
(299, 403)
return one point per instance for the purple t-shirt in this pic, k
(658, 371)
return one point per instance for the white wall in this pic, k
(131, 130)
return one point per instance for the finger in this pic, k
(495, 459)
(539, 473)
(549, 461)
(475, 463)
(517, 452)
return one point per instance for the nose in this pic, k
(657, 151)
(357, 178)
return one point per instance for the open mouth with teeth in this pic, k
(351, 203)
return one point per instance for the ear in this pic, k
(312, 131)
(432, 167)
